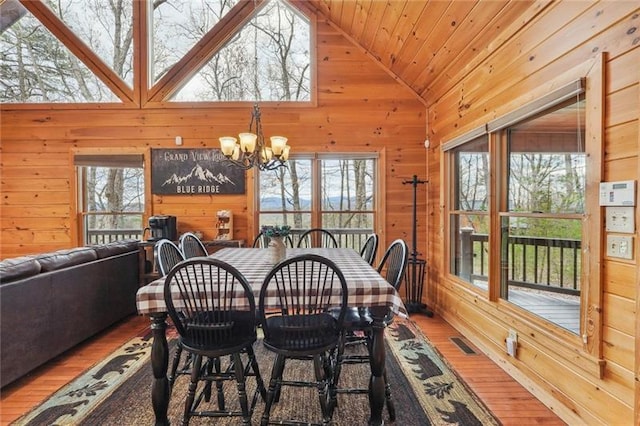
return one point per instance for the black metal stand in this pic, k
(416, 268)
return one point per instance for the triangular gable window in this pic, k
(267, 60)
(178, 26)
(105, 28)
(37, 68)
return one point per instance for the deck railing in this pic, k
(346, 237)
(539, 263)
(102, 236)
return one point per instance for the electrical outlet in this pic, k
(620, 246)
(512, 343)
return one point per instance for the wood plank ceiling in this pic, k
(427, 45)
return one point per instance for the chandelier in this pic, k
(252, 151)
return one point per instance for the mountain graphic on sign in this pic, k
(198, 175)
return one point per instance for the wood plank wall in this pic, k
(561, 39)
(359, 108)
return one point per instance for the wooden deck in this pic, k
(508, 400)
(560, 309)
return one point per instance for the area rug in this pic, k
(78, 398)
(425, 390)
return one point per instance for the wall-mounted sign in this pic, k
(194, 171)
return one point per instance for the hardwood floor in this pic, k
(509, 401)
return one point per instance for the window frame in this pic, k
(143, 93)
(588, 343)
(455, 268)
(77, 183)
(316, 211)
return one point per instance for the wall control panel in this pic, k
(621, 193)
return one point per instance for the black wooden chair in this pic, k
(317, 237)
(214, 315)
(191, 246)
(370, 248)
(300, 327)
(167, 254)
(262, 241)
(357, 323)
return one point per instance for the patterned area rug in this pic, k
(425, 390)
(444, 396)
(78, 398)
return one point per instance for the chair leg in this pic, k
(322, 381)
(339, 358)
(276, 398)
(218, 367)
(276, 376)
(238, 369)
(195, 375)
(330, 363)
(256, 370)
(171, 377)
(389, 401)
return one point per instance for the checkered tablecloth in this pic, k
(365, 286)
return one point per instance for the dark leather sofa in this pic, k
(51, 302)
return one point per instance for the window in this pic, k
(111, 197)
(538, 154)
(469, 215)
(78, 51)
(36, 67)
(542, 219)
(177, 26)
(266, 59)
(335, 192)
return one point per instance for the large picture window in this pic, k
(538, 156)
(78, 51)
(334, 192)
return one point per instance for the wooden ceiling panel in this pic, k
(445, 29)
(406, 23)
(422, 42)
(388, 24)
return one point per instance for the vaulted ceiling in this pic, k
(428, 45)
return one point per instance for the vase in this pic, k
(278, 249)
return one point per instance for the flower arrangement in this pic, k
(276, 231)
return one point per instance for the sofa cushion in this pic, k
(115, 248)
(18, 268)
(65, 258)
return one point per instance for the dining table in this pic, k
(365, 287)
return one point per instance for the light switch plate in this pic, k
(620, 219)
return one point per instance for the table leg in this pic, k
(377, 362)
(159, 365)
